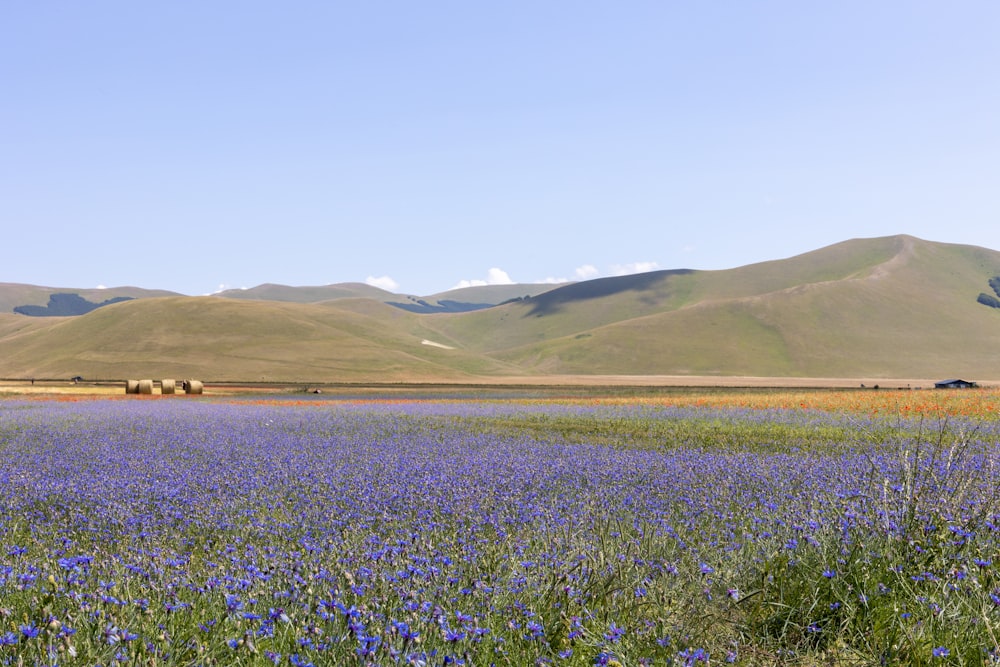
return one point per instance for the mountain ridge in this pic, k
(893, 306)
(30, 299)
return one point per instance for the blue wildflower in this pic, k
(614, 633)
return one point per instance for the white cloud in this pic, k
(585, 272)
(382, 282)
(221, 288)
(498, 277)
(102, 287)
(494, 276)
(634, 267)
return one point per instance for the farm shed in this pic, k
(954, 384)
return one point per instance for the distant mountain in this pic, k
(32, 298)
(309, 294)
(466, 299)
(454, 301)
(61, 305)
(495, 294)
(889, 307)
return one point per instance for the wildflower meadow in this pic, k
(853, 528)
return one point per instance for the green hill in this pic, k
(228, 339)
(16, 295)
(31, 299)
(887, 307)
(895, 307)
(307, 294)
(466, 299)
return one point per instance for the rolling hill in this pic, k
(453, 301)
(35, 300)
(892, 307)
(16, 295)
(308, 294)
(233, 340)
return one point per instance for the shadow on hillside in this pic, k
(63, 304)
(443, 306)
(550, 302)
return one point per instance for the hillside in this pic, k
(228, 339)
(16, 295)
(453, 301)
(895, 307)
(39, 301)
(467, 299)
(307, 294)
(887, 307)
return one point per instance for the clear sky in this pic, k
(194, 145)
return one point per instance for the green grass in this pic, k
(711, 434)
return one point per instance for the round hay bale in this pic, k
(168, 387)
(131, 386)
(195, 387)
(145, 386)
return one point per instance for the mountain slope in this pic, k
(228, 339)
(13, 295)
(453, 301)
(914, 314)
(307, 294)
(869, 308)
(580, 307)
(28, 299)
(467, 299)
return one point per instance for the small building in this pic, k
(955, 384)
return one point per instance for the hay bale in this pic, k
(145, 386)
(194, 387)
(168, 387)
(131, 386)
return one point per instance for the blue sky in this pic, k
(421, 146)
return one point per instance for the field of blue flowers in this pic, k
(203, 532)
